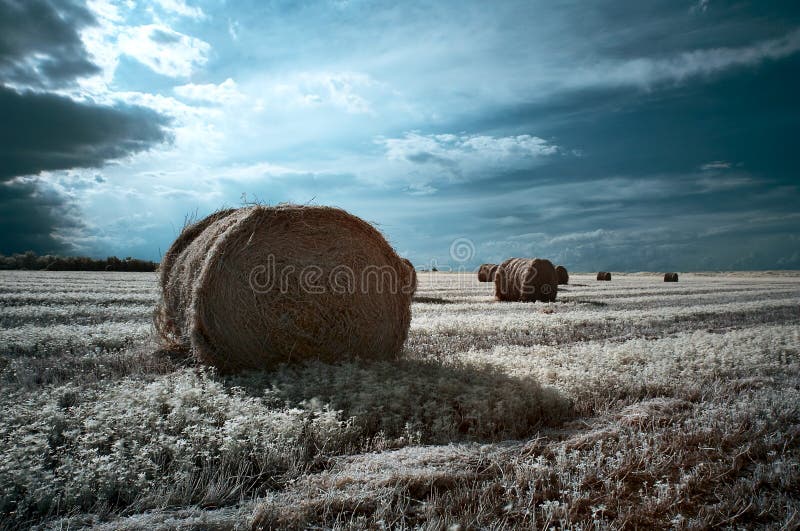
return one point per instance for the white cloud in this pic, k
(179, 7)
(575, 237)
(717, 184)
(646, 71)
(233, 29)
(715, 165)
(509, 221)
(342, 90)
(163, 49)
(105, 9)
(257, 171)
(700, 7)
(224, 93)
(197, 131)
(462, 154)
(100, 41)
(155, 45)
(420, 189)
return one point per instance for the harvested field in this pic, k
(632, 403)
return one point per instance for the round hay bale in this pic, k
(563, 275)
(413, 275)
(603, 275)
(173, 304)
(486, 272)
(670, 277)
(526, 280)
(258, 286)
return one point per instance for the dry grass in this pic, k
(623, 405)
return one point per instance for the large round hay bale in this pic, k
(526, 280)
(258, 286)
(413, 275)
(173, 304)
(486, 272)
(603, 275)
(563, 275)
(670, 277)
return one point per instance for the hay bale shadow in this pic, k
(414, 401)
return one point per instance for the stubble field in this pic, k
(630, 403)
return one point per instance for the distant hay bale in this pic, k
(526, 280)
(670, 277)
(486, 272)
(603, 275)
(254, 287)
(563, 275)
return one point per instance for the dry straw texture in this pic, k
(526, 280)
(563, 275)
(257, 286)
(603, 275)
(670, 277)
(173, 303)
(486, 272)
(413, 274)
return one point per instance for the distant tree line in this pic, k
(31, 261)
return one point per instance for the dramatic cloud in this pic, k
(40, 43)
(646, 71)
(341, 90)
(42, 48)
(179, 7)
(460, 155)
(225, 92)
(41, 132)
(614, 135)
(35, 216)
(164, 50)
(48, 132)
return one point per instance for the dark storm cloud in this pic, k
(48, 132)
(41, 48)
(40, 43)
(32, 215)
(41, 132)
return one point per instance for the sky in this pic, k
(610, 135)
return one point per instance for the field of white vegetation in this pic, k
(625, 404)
